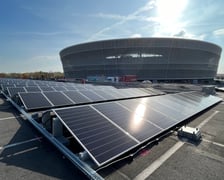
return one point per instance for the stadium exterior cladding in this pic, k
(147, 58)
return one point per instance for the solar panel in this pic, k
(4, 86)
(60, 88)
(46, 88)
(102, 128)
(132, 122)
(77, 97)
(15, 90)
(32, 89)
(151, 113)
(93, 96)
(129, 92)
(58, 98)
(70, 88)
(105, 94)
(117, 94)
(141, 92)
(81, 88)
(99, 137)
(34, 100)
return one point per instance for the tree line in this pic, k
(34, 75)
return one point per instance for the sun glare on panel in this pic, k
(138, 116)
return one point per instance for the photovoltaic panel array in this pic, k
(67, 98)
(57, 86)
(108, 130)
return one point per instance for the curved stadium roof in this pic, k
(147, 58)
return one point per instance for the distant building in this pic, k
(148, 58)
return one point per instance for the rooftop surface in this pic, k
(26, 154)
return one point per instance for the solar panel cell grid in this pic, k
(59, 88)
(32, 89)
(117, 94)
(104, 94)
(101, 150)
(58, 98)
(34, 100)
(15, 90)
(46, 88)
(77, 97)
(93, 96)
(135, 123)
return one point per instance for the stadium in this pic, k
(156, 59)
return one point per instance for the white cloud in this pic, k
(184, 34)
(136, 35)
(44, 58)
(109, 16)
(219, 32)
(123, 19)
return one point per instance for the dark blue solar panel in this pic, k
(100, 137)
(60, 88)
(117, 94)
(32, 89)
(33, 101)
(15, 90)
(71, 88)
(93, 96)
(77, 97)
(5, 86)
(105, 94)
(46, 88)
(133, 122)
(150, 112)
(58, 98)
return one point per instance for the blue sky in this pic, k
(32, 32)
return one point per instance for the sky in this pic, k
(33, 32)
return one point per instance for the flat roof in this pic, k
(24, 153)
